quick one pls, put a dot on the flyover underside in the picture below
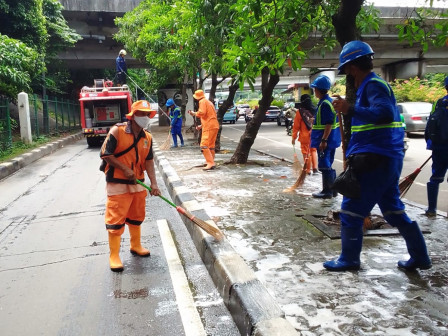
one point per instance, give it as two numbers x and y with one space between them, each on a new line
94 21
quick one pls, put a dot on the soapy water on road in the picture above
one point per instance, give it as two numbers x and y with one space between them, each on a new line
286 252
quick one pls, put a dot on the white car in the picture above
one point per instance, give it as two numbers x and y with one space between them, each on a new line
415 115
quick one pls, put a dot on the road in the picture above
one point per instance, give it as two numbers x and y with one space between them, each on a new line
55 276
273 139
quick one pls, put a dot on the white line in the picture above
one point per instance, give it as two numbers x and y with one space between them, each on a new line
188 313
262 137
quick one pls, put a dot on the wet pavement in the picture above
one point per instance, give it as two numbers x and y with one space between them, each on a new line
267 227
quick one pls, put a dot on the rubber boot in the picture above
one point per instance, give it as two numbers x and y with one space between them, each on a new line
174 140
326 191
114 257
333 177
209 158
349 260
416 248
136 246
433 192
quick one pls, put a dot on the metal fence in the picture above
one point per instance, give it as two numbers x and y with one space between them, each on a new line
52 116
47 117
5 126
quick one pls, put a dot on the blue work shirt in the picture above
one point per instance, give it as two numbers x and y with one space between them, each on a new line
121 64
176 117
325 115
376 123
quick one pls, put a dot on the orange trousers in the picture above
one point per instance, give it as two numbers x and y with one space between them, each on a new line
128 208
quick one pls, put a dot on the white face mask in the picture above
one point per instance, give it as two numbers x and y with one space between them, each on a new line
143 122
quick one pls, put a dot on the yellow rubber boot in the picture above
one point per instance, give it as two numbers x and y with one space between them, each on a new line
136 245
209 158
114 257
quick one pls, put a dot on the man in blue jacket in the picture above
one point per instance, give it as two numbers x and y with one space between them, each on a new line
439 160
121 68
325 135
176 122
375 151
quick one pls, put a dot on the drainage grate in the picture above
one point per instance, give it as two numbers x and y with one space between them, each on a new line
330 225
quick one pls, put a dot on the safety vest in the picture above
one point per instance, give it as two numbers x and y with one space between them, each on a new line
175 116
135 158
334 138
318 125
386 138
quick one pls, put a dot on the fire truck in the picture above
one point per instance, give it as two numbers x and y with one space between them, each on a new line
102 106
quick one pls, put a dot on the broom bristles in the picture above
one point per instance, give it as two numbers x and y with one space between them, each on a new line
296 165
210 229
301 179
406 183
167 143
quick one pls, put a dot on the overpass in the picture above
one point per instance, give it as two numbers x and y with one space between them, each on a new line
94 21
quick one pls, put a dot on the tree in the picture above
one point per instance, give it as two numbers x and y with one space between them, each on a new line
42 32
267 36
18 61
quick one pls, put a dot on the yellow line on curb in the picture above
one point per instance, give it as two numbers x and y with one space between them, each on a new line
187 308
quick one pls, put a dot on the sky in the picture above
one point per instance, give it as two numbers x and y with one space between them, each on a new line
408 3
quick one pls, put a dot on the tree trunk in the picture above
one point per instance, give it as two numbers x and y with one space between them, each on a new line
184 96
344 22
247 139
228 103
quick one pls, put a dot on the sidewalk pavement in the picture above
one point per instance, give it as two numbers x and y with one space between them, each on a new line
268 269
274 248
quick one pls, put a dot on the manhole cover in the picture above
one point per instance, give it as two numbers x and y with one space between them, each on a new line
330 225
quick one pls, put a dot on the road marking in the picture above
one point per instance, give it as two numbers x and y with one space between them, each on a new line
187 308
262 137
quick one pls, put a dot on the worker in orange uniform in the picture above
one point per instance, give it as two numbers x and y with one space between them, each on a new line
128 153
303 123
210 126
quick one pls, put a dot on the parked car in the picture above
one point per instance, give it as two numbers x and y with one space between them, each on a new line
415 115
272 113
231 115
243 109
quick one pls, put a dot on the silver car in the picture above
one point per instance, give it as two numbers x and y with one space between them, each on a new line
415 115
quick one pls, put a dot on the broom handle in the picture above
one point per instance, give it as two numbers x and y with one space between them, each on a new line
165 199
341 129
424 163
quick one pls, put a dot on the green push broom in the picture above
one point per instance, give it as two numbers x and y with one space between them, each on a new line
210 229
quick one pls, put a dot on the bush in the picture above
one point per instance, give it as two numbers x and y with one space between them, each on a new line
416 89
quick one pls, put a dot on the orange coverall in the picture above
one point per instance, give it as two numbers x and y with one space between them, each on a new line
210 127
299 126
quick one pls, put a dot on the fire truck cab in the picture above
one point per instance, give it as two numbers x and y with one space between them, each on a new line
102 106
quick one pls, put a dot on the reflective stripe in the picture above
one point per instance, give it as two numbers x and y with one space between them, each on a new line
396 212
349 213
383 82
114 227
133 222
318 125
369 127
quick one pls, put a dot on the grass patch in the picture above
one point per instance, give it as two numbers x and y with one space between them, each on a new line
18 147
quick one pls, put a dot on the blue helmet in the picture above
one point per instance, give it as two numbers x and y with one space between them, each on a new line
321 82
351 51
169 102
446 81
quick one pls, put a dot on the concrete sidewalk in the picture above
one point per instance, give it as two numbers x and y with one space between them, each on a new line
271 236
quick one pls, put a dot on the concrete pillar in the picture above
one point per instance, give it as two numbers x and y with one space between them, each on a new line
24 118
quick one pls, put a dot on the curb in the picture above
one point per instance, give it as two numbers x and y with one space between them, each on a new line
253 309
10 167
